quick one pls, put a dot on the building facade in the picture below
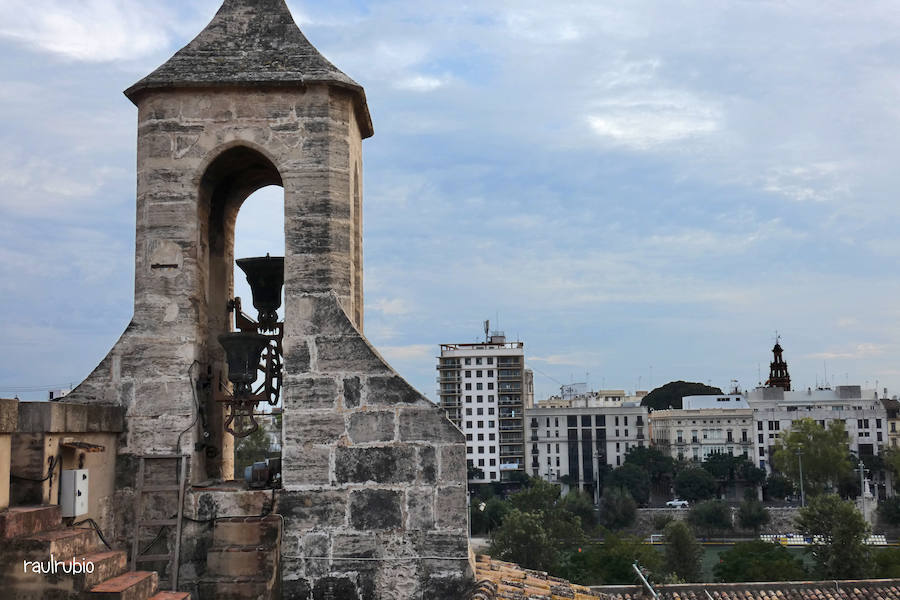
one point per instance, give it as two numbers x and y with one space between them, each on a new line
862 413
482 387
571 444
705 425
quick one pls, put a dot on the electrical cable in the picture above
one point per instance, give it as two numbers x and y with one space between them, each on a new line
196 407
54 461
96 528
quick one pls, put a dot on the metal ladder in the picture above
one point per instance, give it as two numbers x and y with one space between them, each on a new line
142 488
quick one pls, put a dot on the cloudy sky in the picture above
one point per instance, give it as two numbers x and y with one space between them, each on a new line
640 191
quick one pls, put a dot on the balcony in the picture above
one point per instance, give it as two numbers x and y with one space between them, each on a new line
449 378
510 427
509 361
695 440
448 365
508 386
510 401
534 437
451 403
509 374
511 437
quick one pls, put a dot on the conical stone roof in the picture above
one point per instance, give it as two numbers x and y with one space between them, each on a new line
250 43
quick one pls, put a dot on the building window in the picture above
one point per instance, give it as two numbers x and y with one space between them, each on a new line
468 398
490 360
490 423
479 386
490 385
480 437
480 424
490 372
493 462
478 361
759 426
548 422
468 361
491 437
468 449
480 462
478 373
479 398
468 437
468 412
468 373
468 424
490 410
468 387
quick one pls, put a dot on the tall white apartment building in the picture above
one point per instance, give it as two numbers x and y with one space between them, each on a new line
482 386
705 425
572 442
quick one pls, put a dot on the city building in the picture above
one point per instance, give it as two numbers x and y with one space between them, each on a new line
576 394
776 406
892 408
862 413
482 387
705 425
568 444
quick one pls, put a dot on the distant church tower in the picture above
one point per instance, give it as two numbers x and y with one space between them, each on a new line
778 369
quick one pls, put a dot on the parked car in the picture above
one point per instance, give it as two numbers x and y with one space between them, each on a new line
676 503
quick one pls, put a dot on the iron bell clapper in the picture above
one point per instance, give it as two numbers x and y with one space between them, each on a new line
265 274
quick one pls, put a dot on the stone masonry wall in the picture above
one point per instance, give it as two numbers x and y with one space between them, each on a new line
374 497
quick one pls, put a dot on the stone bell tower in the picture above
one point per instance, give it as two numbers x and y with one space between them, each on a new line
374 475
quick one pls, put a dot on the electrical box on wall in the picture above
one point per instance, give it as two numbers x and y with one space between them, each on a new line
73 492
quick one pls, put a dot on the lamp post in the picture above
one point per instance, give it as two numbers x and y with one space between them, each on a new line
862 486
800 465
597 477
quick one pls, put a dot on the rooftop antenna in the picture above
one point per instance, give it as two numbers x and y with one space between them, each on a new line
487 328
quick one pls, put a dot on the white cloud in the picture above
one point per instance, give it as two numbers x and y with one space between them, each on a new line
391 306
863 350
87 30
408 353
419 83
644 122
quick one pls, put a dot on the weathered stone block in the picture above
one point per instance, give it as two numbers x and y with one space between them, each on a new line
295 589
392 389
420 508
453 463
315 547
352 391
451 545
315 508
427 464
427 424
310 393
332 588
312 427
305 465
371 426
451 506
376 509
317 314
349 353
388 464
296 355
9 415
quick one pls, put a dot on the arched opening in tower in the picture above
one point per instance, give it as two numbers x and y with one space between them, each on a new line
234 310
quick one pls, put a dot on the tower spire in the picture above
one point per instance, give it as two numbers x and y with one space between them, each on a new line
778 369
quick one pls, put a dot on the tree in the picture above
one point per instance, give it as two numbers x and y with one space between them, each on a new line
778 486
710 516
542 499
825 454
758 561
633 478
752 514
485 521
251 449
473 472
610 563
889 510
522 539
683 552
658 466
838 533
695 484
887 563
581 505
670 394
617 508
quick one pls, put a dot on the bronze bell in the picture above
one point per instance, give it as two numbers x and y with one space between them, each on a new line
265 274
242 351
